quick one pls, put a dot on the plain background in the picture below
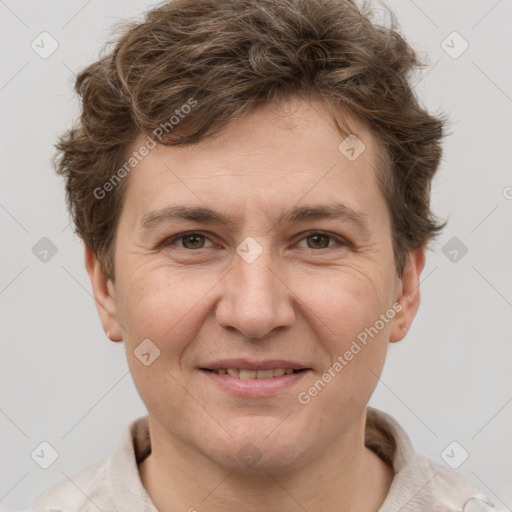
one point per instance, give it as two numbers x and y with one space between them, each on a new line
450 380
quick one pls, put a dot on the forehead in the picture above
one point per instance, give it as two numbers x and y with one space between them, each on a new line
276 158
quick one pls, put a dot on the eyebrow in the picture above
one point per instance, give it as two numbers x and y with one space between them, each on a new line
203 214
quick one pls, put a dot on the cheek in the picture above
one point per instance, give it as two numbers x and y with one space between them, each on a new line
343 302
352 317
348 313
143 306
164 305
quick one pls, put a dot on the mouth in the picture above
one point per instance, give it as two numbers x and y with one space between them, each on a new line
254 379
242 373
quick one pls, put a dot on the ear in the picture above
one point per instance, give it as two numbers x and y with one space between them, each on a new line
408 295
104 296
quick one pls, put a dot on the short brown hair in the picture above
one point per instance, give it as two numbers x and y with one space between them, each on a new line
232 56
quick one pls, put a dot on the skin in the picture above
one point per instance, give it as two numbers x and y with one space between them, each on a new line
303 299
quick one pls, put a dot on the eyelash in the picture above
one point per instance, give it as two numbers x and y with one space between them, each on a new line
171 240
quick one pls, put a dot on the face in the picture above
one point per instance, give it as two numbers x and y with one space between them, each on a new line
227 259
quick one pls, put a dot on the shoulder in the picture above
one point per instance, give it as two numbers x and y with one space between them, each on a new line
448 491
76 493
110 484
420 484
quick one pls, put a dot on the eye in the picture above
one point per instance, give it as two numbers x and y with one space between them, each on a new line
319 240
192 240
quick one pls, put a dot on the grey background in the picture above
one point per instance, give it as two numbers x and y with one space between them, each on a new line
63 382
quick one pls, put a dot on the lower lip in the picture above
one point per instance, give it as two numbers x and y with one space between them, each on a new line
255 387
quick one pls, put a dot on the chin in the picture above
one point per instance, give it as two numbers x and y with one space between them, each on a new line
261 448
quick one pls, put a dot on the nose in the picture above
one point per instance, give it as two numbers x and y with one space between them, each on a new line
255 298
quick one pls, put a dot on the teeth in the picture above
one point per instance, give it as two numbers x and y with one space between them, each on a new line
265 374
254 374
247 374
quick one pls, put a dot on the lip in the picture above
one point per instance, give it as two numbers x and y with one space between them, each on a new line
246 364
252 388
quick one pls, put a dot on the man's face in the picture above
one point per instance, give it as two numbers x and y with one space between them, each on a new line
261 291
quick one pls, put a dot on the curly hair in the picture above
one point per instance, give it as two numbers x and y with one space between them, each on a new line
226 58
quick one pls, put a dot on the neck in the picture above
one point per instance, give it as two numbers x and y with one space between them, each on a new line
347 477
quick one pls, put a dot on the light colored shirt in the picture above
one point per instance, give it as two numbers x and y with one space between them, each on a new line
114 484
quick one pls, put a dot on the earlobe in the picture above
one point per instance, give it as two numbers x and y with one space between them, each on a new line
104 296
409 295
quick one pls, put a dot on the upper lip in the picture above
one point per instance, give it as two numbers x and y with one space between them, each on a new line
246 364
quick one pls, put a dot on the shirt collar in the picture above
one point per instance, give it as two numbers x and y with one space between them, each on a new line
132 447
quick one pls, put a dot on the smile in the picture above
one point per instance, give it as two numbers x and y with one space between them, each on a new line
252 383
240 373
